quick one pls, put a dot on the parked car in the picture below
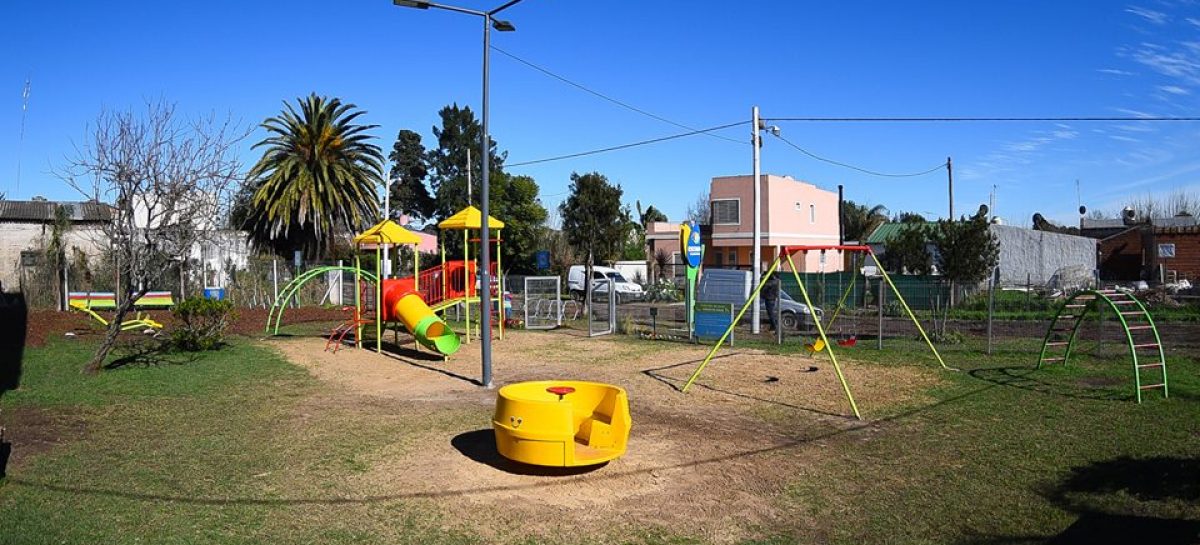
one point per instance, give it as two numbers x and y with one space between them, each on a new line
733 286
626 290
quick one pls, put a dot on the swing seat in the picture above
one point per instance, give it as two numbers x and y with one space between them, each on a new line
848 343
815 347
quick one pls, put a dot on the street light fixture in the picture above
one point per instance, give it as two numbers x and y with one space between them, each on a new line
485 254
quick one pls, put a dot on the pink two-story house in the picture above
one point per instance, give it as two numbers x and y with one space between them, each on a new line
793 213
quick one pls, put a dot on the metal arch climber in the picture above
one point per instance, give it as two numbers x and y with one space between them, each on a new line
1134 318
276 313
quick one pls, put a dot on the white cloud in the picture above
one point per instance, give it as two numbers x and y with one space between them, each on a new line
1156 17
1194 21
1134 113
1174 90
1120 137
1114 72
1182 63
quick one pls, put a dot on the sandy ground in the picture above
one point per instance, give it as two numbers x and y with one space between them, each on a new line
711 463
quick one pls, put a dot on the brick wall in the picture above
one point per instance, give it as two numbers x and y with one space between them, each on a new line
1186 262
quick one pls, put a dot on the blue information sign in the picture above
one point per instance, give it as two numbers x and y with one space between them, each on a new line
713 319
543 259
692 249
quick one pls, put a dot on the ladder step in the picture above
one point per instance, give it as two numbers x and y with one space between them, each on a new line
1053 359
1149 365
1075 306
1147 345
1057 343
1124 302
1149 386
1135 327
1133 313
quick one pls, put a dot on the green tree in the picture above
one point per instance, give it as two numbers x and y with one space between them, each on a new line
859 221
407 189
515 201
908 250
317 177
909 217
458 137
593 220
967 249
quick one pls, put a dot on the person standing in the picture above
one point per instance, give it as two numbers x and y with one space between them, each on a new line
770 295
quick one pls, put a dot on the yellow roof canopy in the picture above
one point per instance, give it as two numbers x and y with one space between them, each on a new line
469 218
386 233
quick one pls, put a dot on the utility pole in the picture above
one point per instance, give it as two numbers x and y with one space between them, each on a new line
950 182
756 259
387 216
468 176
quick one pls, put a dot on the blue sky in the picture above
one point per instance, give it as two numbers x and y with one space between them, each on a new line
698 63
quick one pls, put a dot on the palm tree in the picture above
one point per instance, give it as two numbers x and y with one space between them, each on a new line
317 177
859 221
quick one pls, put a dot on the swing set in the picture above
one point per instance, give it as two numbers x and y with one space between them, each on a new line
822 342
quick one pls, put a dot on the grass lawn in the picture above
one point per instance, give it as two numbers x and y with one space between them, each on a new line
241 446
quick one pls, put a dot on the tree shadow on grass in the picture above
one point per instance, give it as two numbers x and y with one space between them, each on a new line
1025 378
1096 491
14 314
480 446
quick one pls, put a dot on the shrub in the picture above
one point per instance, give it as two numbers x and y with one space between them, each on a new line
662 291
200 324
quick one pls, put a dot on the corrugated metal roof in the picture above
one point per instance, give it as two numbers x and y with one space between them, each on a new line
43 211
889 230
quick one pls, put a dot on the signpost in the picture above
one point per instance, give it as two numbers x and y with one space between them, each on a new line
713 320
693 253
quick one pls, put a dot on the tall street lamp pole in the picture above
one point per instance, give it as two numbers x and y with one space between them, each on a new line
485 254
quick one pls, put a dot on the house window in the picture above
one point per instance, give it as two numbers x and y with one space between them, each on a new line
1166 250
733 257
812 213
727 212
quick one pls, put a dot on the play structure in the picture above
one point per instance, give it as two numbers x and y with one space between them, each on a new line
412 302
1140 334
822 343
89 302
561 423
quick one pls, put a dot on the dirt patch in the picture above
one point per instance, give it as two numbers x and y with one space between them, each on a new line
33 430
710 463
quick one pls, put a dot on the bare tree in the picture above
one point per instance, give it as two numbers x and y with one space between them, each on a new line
700 211
1150 206
168 180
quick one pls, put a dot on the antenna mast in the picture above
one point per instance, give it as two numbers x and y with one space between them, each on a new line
21 139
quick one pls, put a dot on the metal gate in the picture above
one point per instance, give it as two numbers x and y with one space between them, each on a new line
543 302
602 309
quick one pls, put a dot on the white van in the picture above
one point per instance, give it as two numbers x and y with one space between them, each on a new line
626 290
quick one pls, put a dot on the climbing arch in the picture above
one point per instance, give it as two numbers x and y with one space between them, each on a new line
1145 346
275 316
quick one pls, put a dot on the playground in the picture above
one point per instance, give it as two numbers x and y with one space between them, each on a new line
367 422
359 446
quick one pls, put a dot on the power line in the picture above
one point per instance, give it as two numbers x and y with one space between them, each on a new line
627 146
979 119
860 169
603 96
